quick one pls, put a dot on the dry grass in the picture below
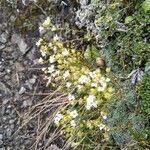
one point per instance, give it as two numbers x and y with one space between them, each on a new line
44 112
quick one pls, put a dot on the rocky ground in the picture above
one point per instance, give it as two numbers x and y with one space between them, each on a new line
21 86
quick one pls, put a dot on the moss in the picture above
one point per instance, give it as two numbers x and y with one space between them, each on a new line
143 90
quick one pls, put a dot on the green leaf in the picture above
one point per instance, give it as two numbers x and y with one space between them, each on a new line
147 68
88 53
128 19
146 5
91 53
95 52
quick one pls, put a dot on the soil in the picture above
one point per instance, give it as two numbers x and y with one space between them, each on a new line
21 86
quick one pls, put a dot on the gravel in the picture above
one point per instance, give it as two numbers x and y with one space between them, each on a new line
17 84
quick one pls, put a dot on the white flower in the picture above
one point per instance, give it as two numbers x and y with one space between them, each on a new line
43 69
103 78
107 80
103 85
100 88
55 49
56 38
65 52
104 117
101 126
73 114
53 28
47 22
79 87
92 74
50 44
43 53
72 123
84 79
66 74
71 97
38 43
68 84
103 114
51 69
57 118
41 29
40 60
52 59
94 85
56 73
91 102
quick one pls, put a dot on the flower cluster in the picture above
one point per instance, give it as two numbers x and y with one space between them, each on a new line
89 90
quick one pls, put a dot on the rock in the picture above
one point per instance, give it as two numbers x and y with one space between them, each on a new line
11 121
27 103
23 46
84 2
8 70
19 66
1 136
3 148
8 132
1 142
2 68
5 101
3 38
4 90
31 54
22 90
2 46
32 81
53 147
17 39
8 49
12 18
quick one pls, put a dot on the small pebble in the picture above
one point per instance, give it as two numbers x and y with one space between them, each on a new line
1 142
2 46
22 90
3 38
11 121
1 136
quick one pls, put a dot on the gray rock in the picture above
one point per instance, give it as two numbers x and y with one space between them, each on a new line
17 39
8 70
32 81
4 89
8 132
31 54
1 142
2 46
11 121
27 103
5 101
2 68
53 147
3 148
3 38
12 126
22 90
1 136
84 2
19 66
23 46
